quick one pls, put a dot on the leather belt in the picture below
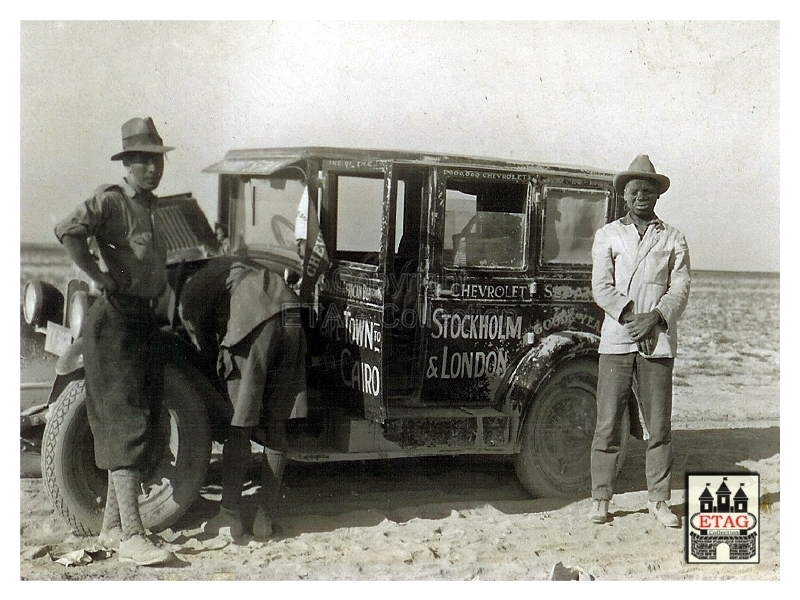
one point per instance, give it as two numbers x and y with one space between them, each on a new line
129 302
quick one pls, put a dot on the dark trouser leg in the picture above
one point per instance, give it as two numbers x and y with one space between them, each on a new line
271 478
654 377
123 385
235 463
126 485
613 389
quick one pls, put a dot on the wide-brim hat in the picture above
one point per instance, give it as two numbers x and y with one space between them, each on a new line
641 168
140 135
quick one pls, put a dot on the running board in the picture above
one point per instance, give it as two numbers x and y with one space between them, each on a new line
410 432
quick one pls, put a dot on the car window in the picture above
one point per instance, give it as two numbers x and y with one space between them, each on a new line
571 218
358 217
263 213
485 224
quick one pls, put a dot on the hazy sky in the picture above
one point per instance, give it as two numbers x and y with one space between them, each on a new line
701 98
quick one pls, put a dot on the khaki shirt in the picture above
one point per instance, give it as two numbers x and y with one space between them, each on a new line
122 222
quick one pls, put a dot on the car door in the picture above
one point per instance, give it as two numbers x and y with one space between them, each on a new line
353 221
478 282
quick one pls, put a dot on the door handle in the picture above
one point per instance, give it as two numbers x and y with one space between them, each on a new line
441 292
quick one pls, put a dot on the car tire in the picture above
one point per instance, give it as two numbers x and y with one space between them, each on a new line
181 457
556 438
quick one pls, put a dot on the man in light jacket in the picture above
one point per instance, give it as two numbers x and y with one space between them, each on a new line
640 278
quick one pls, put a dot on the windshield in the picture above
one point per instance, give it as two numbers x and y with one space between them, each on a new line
263 213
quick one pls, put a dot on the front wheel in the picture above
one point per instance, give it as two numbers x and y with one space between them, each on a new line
556 440
182 453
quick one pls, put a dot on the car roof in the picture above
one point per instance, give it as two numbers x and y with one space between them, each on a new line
265 161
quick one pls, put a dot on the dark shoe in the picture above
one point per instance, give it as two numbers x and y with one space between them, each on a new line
140 550
663 514
227 524
599 512
110 538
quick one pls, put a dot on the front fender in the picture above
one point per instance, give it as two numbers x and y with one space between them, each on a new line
539 363
68 367
71 360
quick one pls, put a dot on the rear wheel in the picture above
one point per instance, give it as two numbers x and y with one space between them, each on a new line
556 440
182 453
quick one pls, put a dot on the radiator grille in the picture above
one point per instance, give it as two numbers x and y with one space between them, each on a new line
180 221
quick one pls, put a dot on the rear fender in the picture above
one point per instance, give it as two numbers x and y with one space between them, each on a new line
539 364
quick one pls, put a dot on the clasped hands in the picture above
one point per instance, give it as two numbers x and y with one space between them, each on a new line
640 325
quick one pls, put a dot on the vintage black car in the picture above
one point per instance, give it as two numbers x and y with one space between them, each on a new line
448 308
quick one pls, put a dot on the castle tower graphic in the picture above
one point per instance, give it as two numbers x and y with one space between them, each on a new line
723 497
740 500
723 504
706 501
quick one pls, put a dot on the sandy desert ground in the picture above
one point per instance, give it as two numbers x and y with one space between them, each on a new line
464 519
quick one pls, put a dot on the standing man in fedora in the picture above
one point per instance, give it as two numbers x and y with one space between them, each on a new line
123 376
640 278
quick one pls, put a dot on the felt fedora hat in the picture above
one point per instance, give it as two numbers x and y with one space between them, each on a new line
641 168
140 135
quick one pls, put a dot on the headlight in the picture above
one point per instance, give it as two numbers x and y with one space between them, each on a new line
78 307
32 302
41 302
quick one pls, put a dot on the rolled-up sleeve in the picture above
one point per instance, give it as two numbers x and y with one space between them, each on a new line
85 220
604 291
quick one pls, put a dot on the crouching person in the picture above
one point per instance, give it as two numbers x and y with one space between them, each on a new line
243 316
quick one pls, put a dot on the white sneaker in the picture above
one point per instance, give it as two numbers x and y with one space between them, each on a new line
141 551
110 538
599 511
662 513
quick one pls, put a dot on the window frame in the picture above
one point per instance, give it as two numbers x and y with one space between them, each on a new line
546 266
513 178
333 171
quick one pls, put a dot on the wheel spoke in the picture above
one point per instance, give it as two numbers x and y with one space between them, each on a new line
558 432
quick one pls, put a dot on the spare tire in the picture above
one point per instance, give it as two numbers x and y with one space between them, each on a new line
183 451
